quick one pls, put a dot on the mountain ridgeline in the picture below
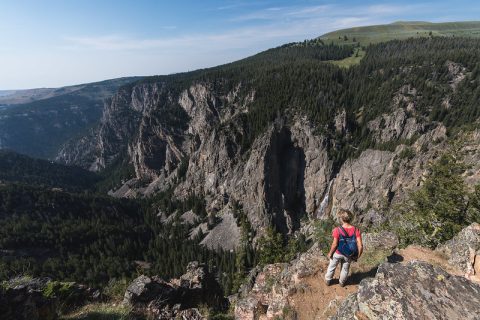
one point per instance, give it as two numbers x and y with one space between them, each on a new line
272 132
38 122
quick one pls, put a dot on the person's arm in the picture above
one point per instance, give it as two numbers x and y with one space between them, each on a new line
333 247
359 245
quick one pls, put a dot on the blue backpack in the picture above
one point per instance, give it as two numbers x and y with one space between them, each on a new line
348 245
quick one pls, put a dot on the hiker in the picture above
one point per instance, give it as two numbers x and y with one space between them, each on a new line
346 247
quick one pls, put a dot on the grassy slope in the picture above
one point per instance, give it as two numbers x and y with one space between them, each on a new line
403 30
350 61
397 30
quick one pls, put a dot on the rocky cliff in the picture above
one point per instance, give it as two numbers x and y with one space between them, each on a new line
190 133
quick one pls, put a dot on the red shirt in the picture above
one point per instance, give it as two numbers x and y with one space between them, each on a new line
349 230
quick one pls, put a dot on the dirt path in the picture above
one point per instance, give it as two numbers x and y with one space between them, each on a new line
319 301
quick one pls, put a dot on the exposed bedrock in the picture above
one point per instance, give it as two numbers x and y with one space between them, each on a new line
191 139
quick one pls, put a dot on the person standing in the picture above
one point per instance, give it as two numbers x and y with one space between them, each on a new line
346 247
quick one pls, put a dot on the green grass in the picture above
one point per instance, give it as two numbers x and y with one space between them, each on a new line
402 30
101 311
354 59
373 258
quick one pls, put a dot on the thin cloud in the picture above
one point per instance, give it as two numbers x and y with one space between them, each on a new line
388 9
309 11
326 11
238 5
284 24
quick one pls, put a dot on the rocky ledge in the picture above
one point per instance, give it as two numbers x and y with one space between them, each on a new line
178 298
269 295
416 290
463 251
25 298
270 290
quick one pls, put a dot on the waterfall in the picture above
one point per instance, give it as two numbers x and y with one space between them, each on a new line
326 199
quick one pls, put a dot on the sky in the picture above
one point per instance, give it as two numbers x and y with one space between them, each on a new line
53 43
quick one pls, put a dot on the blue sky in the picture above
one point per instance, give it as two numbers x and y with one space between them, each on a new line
52 43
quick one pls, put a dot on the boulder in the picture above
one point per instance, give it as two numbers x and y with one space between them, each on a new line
416 290
145 289
383 240
23 299
178 297
463 250
26 298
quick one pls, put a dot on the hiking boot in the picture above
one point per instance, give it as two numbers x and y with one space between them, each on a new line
328 282
342 284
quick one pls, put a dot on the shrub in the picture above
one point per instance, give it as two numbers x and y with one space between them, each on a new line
57 289
323 234
440 208
270 247
407 153
116 288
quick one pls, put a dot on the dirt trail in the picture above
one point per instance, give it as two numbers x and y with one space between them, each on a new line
319 301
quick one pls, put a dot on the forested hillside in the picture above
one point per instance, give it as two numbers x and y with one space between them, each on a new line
93 239
21 169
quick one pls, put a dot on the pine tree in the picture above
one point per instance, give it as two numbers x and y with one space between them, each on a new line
438 210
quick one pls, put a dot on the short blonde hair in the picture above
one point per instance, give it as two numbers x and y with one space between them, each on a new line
345 215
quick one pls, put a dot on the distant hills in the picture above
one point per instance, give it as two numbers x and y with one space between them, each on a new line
402 30
39 121
11 97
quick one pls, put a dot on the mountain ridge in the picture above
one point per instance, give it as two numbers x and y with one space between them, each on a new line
402 30
39 128
272 134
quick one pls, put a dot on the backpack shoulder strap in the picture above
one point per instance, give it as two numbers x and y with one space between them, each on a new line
345 234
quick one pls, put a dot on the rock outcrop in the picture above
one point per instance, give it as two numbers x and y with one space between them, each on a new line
375 180
273 286
463 251
386 241
25 298
177 297
416 290
226 234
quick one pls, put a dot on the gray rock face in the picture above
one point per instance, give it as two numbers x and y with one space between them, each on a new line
456 72
416 290
472 158
286 172
380 241
284 176
396 125
225 235
377 179
463 251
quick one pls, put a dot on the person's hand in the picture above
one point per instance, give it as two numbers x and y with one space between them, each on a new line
330 256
